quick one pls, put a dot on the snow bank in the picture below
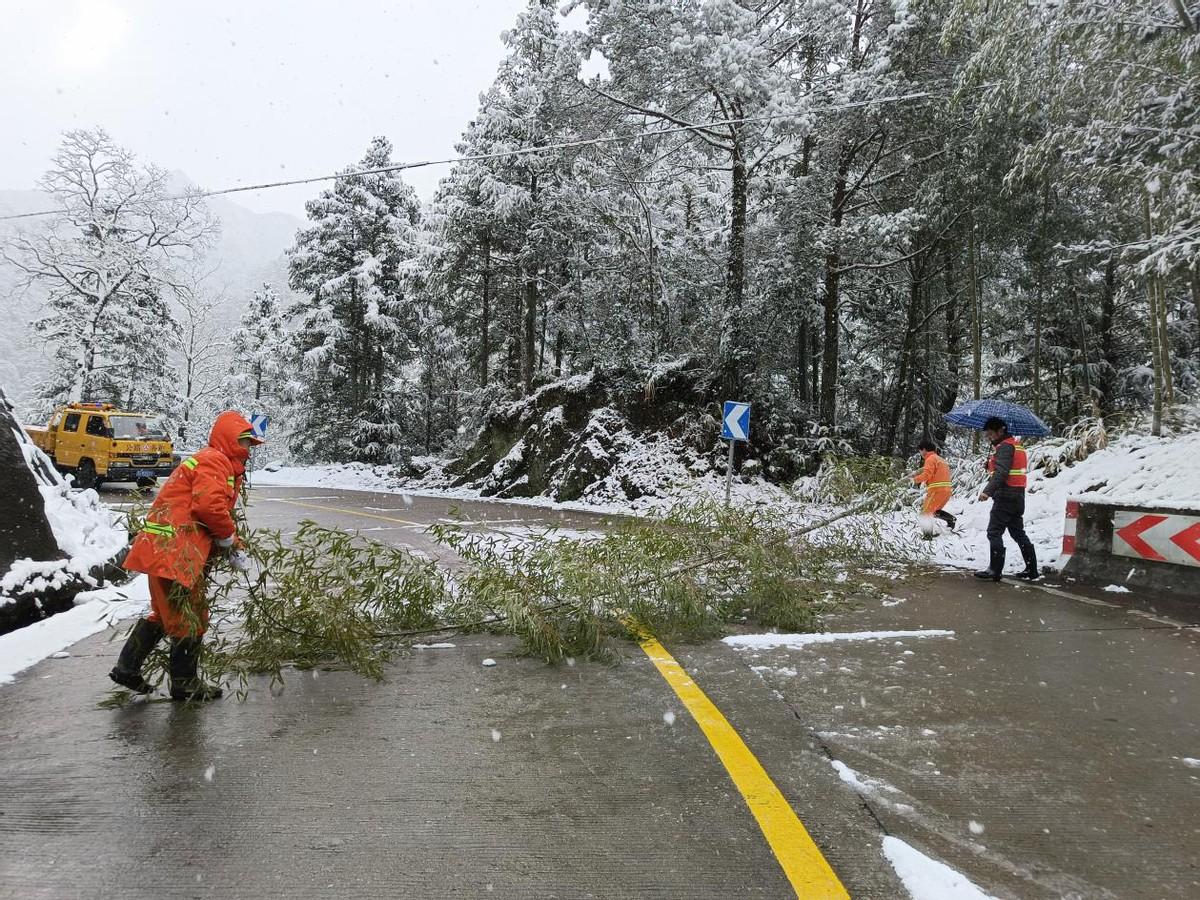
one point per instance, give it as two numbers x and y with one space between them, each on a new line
87 531
925 878
795 641
94 612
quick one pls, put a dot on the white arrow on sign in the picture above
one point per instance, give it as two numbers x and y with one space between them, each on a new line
734 426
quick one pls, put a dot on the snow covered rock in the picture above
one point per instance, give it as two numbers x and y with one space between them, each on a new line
589 434
54 542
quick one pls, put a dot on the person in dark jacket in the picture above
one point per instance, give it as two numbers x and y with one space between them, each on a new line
1006 489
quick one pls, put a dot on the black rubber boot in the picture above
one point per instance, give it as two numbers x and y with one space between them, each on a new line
185 683
1031 572
995 569
947 518
128 670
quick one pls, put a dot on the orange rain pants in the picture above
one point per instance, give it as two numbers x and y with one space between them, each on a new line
167 601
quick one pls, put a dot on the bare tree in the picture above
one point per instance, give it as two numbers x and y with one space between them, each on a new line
119 239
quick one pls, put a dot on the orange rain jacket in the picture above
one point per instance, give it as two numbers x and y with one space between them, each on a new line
194 507
938 487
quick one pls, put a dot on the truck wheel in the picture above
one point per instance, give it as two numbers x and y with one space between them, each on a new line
85 475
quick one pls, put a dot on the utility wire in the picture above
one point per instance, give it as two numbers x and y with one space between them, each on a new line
527 151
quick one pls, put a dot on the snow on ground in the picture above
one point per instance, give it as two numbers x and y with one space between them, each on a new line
673 486
795 641
925 878
94 612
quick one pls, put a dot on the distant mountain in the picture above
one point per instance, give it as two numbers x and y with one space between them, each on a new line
249 251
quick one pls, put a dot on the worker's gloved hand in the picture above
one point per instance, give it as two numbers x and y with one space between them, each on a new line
226 543
240 560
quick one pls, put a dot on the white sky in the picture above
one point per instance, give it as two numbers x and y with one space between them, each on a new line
246 91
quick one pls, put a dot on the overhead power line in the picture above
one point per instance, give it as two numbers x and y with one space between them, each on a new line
529 151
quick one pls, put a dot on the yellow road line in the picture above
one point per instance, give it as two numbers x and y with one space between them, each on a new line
348 512
805 867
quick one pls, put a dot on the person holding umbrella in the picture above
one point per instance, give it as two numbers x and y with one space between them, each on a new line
1008 475
1006 489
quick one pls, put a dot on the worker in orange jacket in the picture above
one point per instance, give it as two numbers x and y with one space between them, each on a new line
935 475
190 521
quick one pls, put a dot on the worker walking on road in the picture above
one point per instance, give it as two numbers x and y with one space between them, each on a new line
935 475
1006 489
190 521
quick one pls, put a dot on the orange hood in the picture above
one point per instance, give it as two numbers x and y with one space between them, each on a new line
224 437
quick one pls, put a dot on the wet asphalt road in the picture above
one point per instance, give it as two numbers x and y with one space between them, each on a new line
1042 750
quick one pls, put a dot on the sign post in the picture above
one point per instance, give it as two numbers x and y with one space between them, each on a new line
258 425
735 426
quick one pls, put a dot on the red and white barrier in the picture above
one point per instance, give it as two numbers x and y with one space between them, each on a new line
1069 524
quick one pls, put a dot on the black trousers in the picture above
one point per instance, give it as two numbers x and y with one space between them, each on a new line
1008 514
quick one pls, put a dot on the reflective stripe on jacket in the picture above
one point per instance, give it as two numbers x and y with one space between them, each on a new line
1008 465
935 474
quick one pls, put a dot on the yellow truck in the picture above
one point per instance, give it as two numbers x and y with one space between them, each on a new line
97 442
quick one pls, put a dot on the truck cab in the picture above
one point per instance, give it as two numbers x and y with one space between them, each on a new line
97 442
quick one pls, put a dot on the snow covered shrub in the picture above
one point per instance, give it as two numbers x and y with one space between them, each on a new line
841 479
1079 442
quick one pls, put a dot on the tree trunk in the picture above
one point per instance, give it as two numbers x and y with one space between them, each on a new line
1039 296
815 355
485 317
829 299
1108 309
1164 342
529 337
1195 279
976 324
735 279
927 367
1155 355
953 349
355 348
1090 405
802 347
900 396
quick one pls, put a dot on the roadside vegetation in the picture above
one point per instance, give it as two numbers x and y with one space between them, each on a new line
328 598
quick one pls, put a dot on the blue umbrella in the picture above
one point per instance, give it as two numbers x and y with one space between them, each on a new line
1020 421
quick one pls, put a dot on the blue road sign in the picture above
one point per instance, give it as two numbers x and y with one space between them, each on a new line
736 424
258 424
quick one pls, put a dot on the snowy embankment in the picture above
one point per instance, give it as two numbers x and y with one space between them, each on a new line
94 612
88 533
